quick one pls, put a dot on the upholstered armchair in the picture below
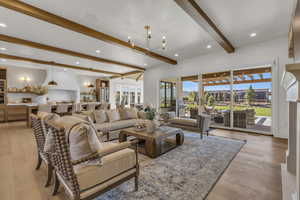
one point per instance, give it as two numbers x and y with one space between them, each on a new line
40 138
82 181
204 122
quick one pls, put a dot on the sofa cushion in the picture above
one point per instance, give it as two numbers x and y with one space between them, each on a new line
116 125
113 115
90 114
112 165
184 122
131 113
142 115
122 113
100 116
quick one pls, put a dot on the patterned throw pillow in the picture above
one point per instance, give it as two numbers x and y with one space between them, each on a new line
100 116
113 115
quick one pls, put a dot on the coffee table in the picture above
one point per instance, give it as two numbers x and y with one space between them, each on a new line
157 143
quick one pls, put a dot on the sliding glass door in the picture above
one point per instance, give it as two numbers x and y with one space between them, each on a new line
216 97
252 92
239 99
168 95
188 108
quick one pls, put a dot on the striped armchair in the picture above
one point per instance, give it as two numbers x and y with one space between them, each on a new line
40 138
119 163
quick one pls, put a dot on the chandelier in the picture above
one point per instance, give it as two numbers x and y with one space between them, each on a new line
148 38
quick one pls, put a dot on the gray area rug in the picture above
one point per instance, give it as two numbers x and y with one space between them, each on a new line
188 172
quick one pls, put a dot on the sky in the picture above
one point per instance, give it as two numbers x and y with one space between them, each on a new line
189 86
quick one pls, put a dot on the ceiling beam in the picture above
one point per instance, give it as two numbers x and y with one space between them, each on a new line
51 63
68 24
125 74
240 82
139 76
196 12
41 46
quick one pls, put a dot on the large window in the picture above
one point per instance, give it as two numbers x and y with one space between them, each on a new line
132 97
239 99
188 108
167 95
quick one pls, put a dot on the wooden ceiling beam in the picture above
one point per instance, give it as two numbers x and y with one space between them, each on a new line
38 13
240 82
51 63
41 46
139 76
195 11
125 74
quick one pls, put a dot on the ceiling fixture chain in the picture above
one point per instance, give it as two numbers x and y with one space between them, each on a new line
148 38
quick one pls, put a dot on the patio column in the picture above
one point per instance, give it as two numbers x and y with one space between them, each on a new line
200 93
179 96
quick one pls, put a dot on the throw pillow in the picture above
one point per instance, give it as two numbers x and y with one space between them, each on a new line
142 115
113 115
82 136
122 113
100 116
131 113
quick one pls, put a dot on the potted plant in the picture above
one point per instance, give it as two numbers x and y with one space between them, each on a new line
150 115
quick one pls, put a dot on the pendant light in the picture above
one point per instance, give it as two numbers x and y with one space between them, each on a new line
52 83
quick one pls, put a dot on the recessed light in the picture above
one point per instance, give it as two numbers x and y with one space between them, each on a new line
176 55
253 34
98 51
3 25
3 60
208 46
145 64
77 63
2 48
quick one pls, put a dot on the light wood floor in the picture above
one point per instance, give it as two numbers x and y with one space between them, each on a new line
253 175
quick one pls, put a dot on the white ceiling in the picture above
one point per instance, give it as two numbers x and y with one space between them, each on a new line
121 18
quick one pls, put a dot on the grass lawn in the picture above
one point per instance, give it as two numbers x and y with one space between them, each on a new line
260 111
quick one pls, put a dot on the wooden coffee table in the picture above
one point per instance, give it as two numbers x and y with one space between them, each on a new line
155 144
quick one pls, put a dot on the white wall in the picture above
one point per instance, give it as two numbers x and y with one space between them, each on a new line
270 52
14 74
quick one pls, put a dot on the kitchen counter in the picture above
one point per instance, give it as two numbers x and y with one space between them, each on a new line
33 109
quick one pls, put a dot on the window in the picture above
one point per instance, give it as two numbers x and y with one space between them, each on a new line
125 98
132 97
167 94
118 97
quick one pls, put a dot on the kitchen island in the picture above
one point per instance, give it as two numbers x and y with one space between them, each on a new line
22 111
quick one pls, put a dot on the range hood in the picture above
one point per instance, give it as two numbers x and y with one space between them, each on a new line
66 80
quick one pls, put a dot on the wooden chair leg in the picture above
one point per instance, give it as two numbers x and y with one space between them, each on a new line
136 183
50 170
56 185
39 162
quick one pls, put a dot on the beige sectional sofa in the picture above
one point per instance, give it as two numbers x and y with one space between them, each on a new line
109 122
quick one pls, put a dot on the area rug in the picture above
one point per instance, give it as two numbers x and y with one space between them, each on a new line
188 172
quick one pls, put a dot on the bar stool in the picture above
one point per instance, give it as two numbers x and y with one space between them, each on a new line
91 107
76 108
45 108
62 109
